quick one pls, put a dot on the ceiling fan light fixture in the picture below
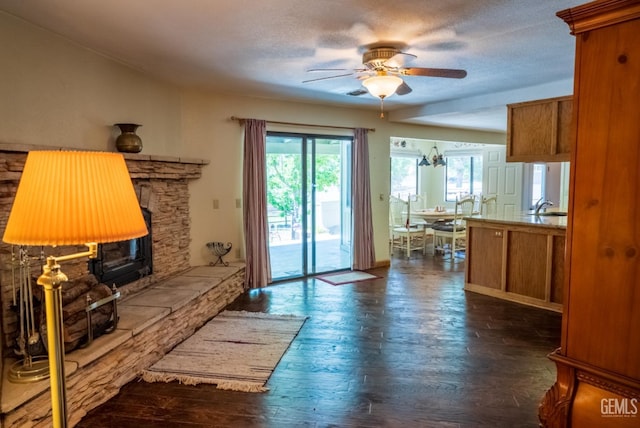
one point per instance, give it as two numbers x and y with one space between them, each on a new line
382 86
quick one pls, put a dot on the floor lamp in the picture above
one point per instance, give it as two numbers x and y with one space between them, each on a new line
70 198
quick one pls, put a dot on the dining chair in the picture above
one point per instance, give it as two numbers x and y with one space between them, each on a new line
419 201
404 235
489 205
452 234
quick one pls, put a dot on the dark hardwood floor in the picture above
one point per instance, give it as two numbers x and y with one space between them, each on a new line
412 349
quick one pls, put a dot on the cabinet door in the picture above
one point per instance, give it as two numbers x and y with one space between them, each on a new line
526 264
484 256
540 130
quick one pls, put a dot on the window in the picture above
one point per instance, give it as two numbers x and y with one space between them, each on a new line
538 185
535 184
463 175
404 176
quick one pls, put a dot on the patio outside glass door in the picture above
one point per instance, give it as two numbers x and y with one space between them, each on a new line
309 210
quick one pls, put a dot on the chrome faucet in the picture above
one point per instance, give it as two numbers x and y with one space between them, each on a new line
541 204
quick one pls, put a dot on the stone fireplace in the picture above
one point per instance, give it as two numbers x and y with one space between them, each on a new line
164 303
161 184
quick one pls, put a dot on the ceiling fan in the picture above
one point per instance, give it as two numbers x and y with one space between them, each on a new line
382 71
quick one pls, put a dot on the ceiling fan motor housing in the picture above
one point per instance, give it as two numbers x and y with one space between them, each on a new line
374 59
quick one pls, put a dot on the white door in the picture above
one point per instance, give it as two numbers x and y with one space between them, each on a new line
502 178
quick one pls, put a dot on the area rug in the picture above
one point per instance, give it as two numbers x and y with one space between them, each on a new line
235 350
346 277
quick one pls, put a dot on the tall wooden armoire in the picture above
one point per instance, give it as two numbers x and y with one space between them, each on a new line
598 364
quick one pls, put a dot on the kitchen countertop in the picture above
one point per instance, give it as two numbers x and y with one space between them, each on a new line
525 219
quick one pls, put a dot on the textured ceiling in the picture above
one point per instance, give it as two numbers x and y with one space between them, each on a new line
512 50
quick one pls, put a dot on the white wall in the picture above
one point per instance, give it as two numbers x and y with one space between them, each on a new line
56 93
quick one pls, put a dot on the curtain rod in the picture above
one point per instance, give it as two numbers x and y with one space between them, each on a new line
241 119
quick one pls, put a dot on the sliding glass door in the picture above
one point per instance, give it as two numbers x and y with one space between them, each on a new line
308 195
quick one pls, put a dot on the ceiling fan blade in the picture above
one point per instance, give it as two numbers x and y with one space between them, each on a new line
399 60
328 77
434 72
357 92
327 69
403 89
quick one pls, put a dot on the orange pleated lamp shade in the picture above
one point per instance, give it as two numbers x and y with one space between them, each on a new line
74 198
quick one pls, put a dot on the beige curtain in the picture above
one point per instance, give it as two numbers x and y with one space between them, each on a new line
254 204
363 247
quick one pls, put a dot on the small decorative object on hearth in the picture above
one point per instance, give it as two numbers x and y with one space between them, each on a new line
128 141
219 249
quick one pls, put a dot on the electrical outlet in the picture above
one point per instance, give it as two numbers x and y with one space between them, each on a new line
216 204
238 203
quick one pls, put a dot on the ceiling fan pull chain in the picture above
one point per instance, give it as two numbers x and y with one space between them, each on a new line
381 107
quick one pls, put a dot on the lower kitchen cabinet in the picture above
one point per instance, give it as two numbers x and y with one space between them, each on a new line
522 262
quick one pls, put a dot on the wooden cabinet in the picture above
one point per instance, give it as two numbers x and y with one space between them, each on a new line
539 131
598 363
516 261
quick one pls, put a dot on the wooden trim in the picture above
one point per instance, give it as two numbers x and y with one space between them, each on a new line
555 408
306 125
382 263
548 229
548 269
598 372
598 14
513 297
505 255
561 157
541 101
554 130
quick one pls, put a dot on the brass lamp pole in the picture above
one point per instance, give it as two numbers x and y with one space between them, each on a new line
70 198
51 279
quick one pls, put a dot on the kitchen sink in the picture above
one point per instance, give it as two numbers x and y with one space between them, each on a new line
551 214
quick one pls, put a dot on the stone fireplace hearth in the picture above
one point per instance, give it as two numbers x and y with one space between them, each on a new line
152 322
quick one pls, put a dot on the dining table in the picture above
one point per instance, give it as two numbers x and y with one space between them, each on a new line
431 215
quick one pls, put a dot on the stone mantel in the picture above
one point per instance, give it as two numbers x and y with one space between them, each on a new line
132 159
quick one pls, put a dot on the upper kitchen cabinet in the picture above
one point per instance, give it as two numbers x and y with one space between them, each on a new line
540 130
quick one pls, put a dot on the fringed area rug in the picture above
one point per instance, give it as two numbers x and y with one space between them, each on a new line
346 277
236 351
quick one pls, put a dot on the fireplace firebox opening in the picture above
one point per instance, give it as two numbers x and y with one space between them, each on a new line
123 262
